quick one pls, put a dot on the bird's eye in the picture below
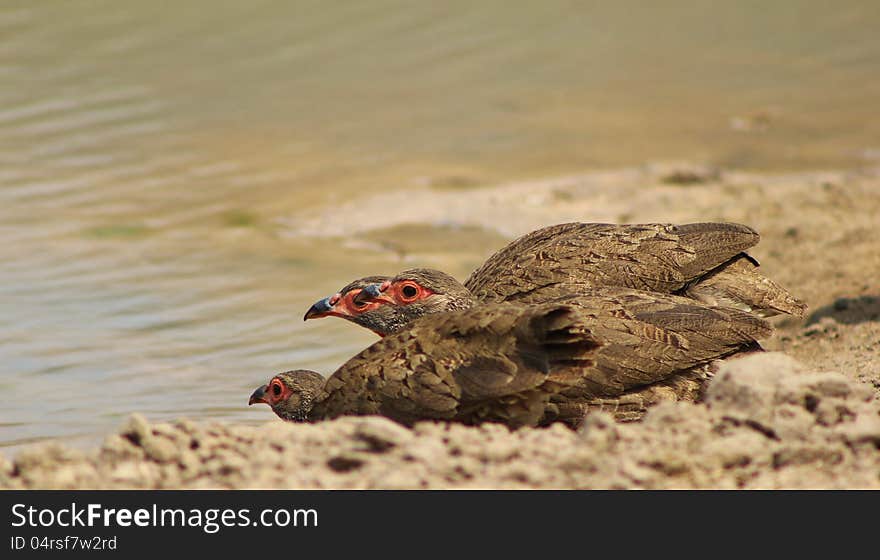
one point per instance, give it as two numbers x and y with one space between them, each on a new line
358 303
409 291
276 388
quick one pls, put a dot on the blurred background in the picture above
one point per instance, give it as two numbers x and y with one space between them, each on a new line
180 181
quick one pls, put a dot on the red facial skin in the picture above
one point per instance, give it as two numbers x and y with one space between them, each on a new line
345 306
351 307
274 391
402 292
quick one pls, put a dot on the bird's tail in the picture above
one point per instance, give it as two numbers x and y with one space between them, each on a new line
558 340
738 284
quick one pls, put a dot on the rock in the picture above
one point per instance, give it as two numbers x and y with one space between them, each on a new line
746 388
767 422
136 428
381 434
684 173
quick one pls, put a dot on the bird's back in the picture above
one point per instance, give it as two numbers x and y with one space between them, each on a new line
649 338
507 362
492 362
577 256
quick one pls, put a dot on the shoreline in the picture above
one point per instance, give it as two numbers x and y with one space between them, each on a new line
818 240
767 422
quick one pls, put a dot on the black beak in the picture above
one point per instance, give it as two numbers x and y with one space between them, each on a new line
318 310
259 396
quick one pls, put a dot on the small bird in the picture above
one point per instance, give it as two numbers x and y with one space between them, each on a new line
494 363
618 349
703 261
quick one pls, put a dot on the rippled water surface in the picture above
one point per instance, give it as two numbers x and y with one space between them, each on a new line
156 158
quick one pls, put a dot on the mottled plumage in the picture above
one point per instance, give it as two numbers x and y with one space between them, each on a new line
533 364
656 348
574 258
703 261
664 300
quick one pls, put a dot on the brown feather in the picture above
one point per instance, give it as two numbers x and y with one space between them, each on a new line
575 258
525 365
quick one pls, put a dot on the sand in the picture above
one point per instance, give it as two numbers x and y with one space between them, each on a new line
767 422
805 414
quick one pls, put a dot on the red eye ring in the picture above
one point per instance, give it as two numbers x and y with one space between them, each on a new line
351 299
410 291
276 387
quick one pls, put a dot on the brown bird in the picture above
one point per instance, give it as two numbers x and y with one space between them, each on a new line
343 304
703 261
525 364
496 363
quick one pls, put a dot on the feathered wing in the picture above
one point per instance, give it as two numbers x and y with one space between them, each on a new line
491 363
522 365
656 346
739 284
654 257
631 405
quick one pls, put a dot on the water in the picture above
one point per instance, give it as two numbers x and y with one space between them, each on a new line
157 161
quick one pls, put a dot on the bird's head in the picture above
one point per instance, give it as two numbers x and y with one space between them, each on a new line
290 394
345 305
412 294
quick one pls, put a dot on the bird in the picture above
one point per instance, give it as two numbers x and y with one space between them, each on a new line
525 364
343 303
706 262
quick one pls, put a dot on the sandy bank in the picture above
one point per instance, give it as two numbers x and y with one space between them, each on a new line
768 422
